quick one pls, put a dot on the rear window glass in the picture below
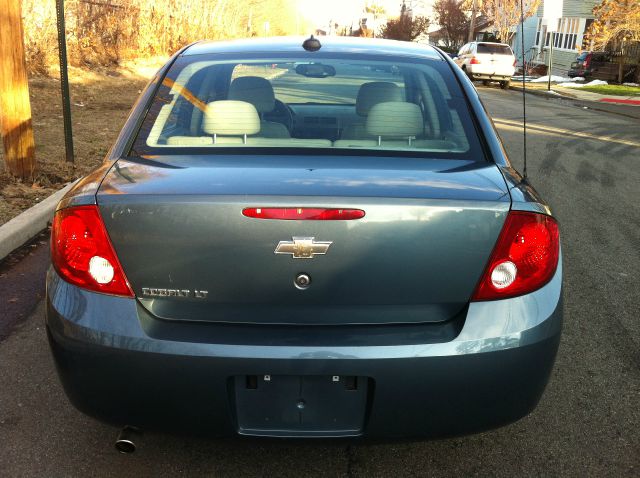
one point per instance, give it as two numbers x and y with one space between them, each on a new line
206 103
494 48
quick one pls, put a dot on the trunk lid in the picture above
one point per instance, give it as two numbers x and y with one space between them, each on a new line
177 226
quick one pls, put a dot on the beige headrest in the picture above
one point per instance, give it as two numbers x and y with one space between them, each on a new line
254 90
231 118
395 118
375 92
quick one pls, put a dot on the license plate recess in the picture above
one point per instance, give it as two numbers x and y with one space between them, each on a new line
308 405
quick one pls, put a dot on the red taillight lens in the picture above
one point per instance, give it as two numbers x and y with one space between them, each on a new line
303 213
524 258
474 61
82 253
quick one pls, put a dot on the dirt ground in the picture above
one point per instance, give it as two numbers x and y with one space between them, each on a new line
100 103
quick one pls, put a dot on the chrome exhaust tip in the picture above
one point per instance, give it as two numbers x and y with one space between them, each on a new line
124 442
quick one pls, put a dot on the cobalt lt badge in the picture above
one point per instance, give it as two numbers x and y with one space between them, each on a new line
303 247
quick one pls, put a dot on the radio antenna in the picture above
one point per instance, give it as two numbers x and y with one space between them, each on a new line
524 95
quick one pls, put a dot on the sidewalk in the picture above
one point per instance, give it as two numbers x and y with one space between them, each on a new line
590 96
623 105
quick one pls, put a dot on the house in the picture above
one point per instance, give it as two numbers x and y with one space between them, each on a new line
482 31
530 29
577 16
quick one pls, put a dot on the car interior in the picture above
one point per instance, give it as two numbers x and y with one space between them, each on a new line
317 105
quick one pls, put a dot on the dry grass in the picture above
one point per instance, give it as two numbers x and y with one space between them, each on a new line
100 104
106 32
103 36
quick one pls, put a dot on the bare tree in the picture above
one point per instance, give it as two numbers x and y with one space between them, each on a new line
505 14
616 25
615 21
452 20
405 28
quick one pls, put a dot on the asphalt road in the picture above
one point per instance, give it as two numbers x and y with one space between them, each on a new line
587 164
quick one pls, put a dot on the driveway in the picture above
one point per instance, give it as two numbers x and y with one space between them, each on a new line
587 165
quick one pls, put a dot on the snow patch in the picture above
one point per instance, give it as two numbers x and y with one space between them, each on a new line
580 85
630 84
554 78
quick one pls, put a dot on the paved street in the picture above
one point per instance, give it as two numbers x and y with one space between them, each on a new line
587 165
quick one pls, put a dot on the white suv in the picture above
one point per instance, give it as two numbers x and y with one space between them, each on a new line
487 61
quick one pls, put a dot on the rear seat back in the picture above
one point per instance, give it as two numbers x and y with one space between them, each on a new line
392 123
226 141
395 124
230 122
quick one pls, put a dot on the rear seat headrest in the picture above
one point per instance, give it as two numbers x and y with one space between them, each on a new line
395 118
254 90
370 94
231 118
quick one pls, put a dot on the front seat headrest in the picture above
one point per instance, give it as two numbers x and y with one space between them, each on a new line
372 93
254 90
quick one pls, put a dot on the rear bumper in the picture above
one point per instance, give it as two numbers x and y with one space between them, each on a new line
487 76
482 72
492 373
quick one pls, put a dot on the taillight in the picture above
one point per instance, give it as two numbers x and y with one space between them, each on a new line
303 213
524 258
82 254
474 61
515 63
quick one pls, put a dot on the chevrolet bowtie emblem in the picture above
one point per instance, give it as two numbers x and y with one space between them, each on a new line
303 247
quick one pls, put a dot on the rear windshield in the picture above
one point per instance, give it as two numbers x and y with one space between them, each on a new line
494 49
208 103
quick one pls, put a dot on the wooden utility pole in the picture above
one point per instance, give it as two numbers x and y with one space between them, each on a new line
472 23
15 109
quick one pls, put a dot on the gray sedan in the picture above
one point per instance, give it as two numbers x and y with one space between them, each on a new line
306 239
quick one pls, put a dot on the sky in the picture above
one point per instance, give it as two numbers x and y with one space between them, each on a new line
346 11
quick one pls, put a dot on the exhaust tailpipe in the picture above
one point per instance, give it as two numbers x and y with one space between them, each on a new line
125 442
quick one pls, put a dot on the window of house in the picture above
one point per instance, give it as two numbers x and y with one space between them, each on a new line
566 37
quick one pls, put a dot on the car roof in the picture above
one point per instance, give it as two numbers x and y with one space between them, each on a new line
491 43
356 46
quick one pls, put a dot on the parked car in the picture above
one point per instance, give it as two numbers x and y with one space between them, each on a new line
297 256
598 65
487 62
586 62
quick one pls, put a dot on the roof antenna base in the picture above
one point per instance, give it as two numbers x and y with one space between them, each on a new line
311 44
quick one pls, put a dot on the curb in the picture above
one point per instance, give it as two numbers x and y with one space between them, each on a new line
543 93
593 105
24 227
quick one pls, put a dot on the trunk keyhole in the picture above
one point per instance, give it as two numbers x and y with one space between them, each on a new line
302 281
